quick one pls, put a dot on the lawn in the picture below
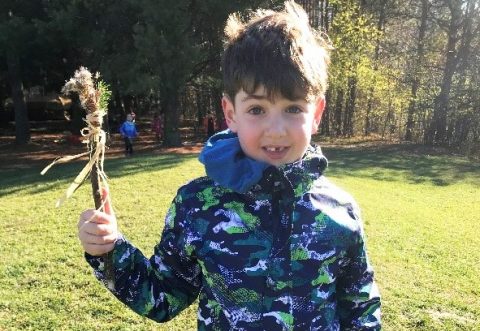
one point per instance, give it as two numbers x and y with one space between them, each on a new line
420 211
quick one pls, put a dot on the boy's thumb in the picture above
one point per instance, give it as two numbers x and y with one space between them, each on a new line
107 204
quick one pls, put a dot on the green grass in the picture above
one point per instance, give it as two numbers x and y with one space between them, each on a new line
421 217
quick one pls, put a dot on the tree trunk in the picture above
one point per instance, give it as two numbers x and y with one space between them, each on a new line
367 128
380 26
22 126
326 16
325 123
127 101
337 126
438 128
172 119
319 12
459 29
416 65
350 107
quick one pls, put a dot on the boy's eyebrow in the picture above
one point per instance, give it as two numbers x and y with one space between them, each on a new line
254 96
263 97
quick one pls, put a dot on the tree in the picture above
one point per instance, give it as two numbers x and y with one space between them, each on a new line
100 36
417 63
353 36
17 36
381 21
460 32
175 48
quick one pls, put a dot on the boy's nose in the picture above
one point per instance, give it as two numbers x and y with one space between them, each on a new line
276 127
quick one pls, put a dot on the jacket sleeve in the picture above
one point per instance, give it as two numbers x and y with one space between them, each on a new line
162 286
358 295
121 130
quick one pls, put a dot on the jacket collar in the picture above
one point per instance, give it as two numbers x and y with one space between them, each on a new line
298 176
227 165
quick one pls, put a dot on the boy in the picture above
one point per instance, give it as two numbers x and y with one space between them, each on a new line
264 241
128 131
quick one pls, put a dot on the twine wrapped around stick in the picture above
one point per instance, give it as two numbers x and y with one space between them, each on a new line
92 99
97 156
93 95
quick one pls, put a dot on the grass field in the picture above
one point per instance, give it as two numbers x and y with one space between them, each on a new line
421 217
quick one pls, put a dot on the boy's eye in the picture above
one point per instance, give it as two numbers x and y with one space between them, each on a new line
255 111
294 110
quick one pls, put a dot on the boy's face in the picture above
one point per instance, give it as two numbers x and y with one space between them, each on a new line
274 131
129 118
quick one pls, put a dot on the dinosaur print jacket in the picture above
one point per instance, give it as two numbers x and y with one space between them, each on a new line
288 254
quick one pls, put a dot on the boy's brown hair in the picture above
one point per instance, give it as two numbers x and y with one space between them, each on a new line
277 50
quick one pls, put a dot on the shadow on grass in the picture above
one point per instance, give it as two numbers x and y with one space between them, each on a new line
407 163
16 180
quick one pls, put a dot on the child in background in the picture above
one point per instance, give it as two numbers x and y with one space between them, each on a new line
128 131
157 126
264 241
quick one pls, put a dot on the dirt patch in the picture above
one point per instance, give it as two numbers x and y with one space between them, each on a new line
45 147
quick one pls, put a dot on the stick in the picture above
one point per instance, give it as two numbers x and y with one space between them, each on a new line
97 198
94 96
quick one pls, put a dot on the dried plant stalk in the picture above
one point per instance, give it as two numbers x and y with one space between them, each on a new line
93 95
94 99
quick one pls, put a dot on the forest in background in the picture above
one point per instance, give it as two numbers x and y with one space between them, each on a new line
407 70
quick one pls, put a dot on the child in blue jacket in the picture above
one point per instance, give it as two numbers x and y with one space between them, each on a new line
128 130
264 241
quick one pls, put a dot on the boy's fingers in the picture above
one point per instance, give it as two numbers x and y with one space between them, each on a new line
92 239
97 229
95 216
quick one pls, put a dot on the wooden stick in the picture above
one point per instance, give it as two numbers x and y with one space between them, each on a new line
93 95
97 198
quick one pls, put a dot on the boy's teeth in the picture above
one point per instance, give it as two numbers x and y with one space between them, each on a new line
274 149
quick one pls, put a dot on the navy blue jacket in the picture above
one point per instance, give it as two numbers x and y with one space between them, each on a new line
288 254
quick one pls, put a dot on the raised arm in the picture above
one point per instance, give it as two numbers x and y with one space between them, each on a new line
158 288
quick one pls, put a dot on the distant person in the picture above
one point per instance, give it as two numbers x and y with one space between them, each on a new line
128 131
157 126
264 241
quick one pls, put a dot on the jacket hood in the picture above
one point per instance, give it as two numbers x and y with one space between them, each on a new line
227 164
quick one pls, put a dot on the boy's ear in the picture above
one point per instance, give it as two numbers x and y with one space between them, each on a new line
317 116
229 113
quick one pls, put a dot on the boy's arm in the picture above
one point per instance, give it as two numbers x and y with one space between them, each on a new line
358 295
162 286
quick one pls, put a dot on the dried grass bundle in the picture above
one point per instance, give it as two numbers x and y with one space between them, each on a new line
93 95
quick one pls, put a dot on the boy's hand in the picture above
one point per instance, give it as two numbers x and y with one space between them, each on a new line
97 230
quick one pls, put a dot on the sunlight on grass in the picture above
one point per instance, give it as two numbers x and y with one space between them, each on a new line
420 213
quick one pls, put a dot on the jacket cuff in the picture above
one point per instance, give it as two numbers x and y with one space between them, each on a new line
97 262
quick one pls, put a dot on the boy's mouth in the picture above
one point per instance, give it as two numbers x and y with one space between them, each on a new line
275 152
274 149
